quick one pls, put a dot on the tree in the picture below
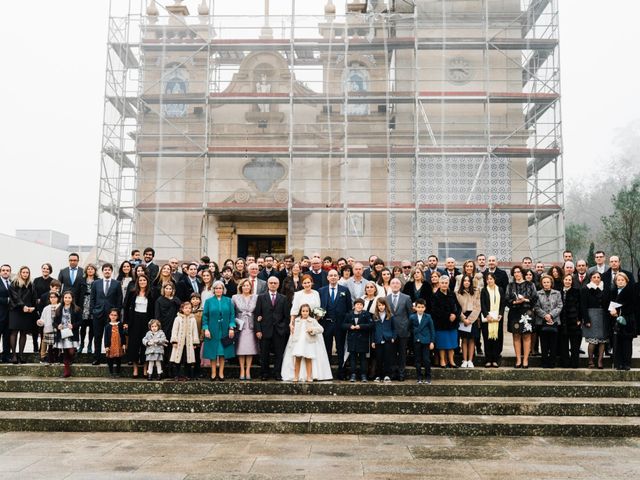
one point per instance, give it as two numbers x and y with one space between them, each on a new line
622 228
591 256
576 237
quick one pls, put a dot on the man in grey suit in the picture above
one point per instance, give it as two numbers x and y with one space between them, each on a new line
72 278
257 286
401 308
106 294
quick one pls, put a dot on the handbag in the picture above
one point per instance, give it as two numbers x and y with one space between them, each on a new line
66 333
549 328
227 341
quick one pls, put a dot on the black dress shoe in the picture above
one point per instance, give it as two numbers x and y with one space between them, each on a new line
279 378
95 362
264 378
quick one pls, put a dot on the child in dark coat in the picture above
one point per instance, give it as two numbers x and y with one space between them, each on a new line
424 335
383 341
358 325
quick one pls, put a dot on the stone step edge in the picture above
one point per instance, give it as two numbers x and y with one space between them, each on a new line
342 383
202 397
323 405
322 423
560 375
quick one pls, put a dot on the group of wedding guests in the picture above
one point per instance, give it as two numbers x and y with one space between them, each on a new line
180 320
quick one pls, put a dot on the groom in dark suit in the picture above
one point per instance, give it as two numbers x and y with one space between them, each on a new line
271 324
106 294
336 300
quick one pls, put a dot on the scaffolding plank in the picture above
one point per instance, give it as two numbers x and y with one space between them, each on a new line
545 210
533 14
125 53
117 212
375 97
118 156
537 59
338 45
540 215
124 105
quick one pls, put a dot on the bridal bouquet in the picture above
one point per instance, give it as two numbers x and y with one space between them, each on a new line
319 312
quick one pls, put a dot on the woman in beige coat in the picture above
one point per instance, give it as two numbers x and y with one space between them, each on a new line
184 338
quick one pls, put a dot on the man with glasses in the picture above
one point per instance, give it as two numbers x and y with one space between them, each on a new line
600 265
406 272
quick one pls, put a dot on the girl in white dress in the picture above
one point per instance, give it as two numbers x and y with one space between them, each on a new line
306 343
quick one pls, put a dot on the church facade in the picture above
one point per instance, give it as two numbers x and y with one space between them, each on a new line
399 132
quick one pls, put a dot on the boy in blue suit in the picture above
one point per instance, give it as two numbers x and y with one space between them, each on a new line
424 334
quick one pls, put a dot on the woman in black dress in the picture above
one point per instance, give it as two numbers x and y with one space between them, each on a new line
90 276
166 309
624 321
594 301
417 287
521 298
138 310
41 287
570 325
42 284
22 317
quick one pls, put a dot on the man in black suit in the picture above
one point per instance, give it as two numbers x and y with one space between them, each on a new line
189 284
268 270
336 300
608 277
432 266
5 282
502 279
106 294
580 277
401 308
271 324
152 269
319 276
367 271
288 261
72 278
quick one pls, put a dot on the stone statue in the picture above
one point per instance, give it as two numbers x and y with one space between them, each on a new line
263 87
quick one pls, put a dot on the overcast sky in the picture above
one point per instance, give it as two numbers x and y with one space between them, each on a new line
52 88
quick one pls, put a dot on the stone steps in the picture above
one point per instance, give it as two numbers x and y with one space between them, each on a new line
445 387
362 424
478 373
477 401
507 361
320 404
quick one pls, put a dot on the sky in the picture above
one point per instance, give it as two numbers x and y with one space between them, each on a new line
52 94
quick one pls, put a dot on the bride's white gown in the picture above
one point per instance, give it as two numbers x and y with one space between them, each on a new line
304 345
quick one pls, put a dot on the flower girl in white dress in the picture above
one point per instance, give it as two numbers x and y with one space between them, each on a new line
306 343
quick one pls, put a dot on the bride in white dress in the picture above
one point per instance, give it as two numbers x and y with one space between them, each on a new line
306 343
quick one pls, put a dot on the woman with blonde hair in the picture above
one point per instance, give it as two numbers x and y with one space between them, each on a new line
247 342
22 317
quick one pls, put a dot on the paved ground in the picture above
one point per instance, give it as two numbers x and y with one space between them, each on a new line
116 456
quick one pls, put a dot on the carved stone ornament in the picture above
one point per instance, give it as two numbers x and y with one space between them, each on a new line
264 172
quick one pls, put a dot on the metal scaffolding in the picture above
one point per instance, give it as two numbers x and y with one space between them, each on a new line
394 129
